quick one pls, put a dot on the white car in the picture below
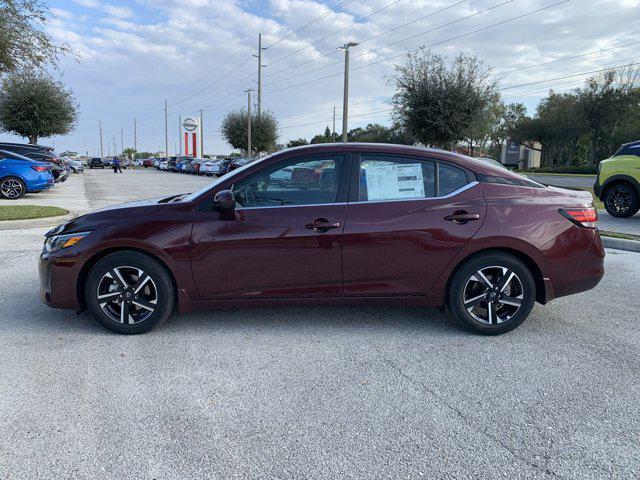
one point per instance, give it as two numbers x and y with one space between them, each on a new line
163 165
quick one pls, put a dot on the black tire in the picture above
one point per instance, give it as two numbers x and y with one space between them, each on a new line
160 286
12 188
462 285
621 200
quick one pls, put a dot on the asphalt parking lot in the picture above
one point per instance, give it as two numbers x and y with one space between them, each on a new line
333 392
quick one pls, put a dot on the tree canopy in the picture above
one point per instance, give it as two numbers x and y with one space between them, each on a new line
36 106
264 131
438 100
24 44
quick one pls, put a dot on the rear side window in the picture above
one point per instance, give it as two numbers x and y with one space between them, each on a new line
629 150
394 178
450 179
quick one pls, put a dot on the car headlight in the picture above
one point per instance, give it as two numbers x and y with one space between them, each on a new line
55 243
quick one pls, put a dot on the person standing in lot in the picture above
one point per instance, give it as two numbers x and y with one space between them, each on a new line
116 165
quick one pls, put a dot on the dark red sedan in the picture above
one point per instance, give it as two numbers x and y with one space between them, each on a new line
390 223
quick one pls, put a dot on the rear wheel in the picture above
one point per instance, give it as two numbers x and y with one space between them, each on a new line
621 200
12 188
129 292
492 293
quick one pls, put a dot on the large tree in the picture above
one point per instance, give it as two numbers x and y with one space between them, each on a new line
437 100
264 131
36 106
24 44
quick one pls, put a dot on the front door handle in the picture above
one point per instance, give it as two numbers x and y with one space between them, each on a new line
462 217
322 225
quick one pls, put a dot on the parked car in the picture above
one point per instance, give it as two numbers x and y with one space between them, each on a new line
618 181
58 169
24 148
75 166
96 162
239 162
107 162
20 175
410 225
148 162
216 167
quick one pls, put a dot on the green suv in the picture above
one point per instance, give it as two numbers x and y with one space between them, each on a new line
618 182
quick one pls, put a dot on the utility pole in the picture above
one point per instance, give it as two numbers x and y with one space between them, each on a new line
259 57
180 134
135 134
201 136
249 121
345 94
121 139
115 150
101 149
333 133
166 131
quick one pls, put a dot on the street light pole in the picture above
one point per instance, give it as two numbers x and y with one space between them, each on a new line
135 134
345 94
101 149
121 139
179 134
333 132
166 131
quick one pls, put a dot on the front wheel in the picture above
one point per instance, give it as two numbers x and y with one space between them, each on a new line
492 293
621 201
129 292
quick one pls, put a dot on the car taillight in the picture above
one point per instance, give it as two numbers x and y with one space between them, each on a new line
583 217
40 168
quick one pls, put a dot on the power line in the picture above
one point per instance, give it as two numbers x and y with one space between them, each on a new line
332 52
311 22
456 37
338 31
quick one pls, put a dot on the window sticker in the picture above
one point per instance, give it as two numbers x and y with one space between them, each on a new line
394 181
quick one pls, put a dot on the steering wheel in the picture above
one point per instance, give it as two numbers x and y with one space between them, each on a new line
251 195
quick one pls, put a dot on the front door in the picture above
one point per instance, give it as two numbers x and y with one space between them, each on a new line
408 218
283 240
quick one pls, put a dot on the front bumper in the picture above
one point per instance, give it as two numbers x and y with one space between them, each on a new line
58 281
597 188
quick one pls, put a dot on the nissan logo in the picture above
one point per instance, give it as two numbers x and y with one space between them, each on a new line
190 124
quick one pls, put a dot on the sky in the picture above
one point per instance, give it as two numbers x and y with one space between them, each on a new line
198 54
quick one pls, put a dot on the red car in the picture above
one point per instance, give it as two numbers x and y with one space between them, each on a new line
396 224
148 162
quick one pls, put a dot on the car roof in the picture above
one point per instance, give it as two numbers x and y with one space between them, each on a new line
637 142
15 155
473 164
25 145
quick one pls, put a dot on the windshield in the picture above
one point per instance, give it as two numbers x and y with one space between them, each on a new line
202 190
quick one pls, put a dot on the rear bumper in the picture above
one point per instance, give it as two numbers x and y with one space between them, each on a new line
576 262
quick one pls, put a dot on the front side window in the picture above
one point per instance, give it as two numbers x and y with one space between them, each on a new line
393 178
308 181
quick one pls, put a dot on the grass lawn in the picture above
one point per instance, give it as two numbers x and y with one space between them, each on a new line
23 212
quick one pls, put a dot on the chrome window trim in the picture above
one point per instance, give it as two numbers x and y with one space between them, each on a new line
449 195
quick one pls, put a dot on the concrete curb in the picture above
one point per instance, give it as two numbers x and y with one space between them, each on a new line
37 222
621 244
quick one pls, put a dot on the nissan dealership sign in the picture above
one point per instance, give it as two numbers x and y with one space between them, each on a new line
190 124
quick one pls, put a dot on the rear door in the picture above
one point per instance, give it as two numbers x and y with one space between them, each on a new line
407 217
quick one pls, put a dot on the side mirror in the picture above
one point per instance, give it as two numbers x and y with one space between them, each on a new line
225 200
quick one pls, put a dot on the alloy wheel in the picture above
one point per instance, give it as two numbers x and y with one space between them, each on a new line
619 199
11 188
127 295
493 295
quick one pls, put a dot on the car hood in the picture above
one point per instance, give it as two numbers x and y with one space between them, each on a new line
120 213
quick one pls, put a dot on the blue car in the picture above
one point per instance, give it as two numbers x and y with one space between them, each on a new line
20 175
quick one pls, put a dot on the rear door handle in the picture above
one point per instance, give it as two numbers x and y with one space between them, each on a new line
322 225
462 217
